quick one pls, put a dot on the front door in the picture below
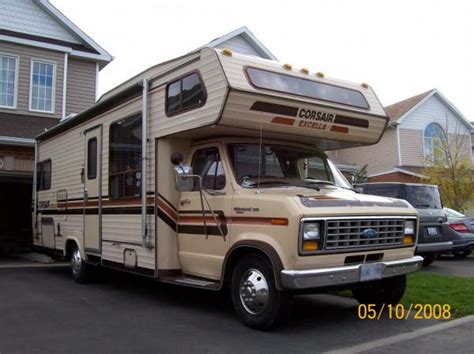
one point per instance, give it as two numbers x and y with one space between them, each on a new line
203 231
92 191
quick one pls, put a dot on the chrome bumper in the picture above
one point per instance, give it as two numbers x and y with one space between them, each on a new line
317 278
434 247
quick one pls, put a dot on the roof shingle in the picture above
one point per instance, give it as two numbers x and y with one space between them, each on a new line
398 109
21 126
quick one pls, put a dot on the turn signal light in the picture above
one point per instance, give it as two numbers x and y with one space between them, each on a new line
310 245
281 222
408 239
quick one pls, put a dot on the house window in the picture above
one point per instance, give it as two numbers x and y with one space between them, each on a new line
43 175
8 80
434 141
42 82
184 94
125 158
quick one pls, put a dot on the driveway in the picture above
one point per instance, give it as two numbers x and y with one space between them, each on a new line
43 311
448 264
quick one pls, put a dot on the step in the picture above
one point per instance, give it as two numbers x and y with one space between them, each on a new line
191 281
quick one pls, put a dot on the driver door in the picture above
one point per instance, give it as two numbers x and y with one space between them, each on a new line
203 232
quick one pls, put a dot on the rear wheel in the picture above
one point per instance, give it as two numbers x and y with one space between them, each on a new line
386 291
256 299
78 266
462 254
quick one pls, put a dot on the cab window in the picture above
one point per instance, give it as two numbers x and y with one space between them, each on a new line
207 164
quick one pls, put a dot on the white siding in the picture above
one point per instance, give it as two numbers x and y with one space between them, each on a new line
27 17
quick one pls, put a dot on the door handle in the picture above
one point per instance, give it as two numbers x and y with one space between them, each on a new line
184 201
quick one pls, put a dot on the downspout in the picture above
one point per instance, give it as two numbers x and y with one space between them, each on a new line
35 162
66 58
399 145
145 242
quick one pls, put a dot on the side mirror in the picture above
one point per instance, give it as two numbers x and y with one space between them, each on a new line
184 180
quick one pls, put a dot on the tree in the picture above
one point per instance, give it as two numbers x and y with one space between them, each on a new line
360 176
449 166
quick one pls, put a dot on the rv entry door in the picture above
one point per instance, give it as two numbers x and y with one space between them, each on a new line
92 175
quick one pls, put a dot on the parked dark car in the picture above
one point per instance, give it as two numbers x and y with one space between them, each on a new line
433 234
461 228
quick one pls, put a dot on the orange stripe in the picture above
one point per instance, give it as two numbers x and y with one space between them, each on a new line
339 129
283 120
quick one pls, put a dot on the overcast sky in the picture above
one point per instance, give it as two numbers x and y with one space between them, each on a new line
401 48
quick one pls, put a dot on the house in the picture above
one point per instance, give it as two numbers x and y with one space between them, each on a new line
48 71
415 128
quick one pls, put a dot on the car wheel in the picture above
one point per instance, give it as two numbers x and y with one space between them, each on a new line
462 254
78 266
429 258
256 299
385 291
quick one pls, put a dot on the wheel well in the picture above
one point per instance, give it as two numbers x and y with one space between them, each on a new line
70 246
239 253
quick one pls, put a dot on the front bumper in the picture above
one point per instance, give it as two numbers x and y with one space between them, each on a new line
434 247
318 278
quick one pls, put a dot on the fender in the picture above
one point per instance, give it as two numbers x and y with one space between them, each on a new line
75 237
261 246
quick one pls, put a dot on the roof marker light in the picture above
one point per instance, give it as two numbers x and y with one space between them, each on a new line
365 85
227 51
287 66
305 70
320 74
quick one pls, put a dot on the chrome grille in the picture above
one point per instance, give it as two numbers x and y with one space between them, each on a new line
349 233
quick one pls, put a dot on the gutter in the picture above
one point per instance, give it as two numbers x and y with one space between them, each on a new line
9 140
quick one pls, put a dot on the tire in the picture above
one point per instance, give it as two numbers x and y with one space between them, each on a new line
387 291
429 258
257 301
78 266
461 254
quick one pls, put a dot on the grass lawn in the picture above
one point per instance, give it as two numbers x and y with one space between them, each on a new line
430 288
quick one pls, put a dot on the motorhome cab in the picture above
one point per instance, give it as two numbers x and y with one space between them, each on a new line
208 171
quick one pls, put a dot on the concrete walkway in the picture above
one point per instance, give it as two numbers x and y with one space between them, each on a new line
453 336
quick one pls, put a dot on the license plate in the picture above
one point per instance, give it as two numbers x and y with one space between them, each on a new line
432 231
371 271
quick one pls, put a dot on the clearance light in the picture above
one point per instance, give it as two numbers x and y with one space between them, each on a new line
280 222
408 239
287 66
310 245
365 85
305 70
320 74
227 51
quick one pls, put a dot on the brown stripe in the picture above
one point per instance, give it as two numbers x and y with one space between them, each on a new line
339 129
274 108
171 213
355 122
283 120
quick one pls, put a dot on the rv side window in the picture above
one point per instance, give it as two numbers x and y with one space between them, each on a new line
125 158
43 175
92 158
184 94
207 164
268 80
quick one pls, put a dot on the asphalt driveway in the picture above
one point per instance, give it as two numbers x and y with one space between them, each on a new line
43 311
448 264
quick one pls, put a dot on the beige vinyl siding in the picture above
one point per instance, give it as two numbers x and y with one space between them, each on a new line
411 147
81 81
25 55
381 157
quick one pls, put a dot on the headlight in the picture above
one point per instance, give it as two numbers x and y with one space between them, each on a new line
409 235
311 231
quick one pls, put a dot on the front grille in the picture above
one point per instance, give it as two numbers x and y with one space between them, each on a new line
341 234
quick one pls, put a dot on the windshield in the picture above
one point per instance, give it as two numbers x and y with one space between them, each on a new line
274 165
424 197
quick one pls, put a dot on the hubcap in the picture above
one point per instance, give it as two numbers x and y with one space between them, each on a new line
254 292
76 262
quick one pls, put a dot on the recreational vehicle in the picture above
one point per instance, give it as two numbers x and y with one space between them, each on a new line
208 171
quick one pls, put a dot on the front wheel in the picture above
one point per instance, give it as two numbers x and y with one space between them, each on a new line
78 266
429 258
386 291
257 301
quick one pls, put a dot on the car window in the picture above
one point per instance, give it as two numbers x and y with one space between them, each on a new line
207 164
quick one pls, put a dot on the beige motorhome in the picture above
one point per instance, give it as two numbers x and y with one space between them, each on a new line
208 171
